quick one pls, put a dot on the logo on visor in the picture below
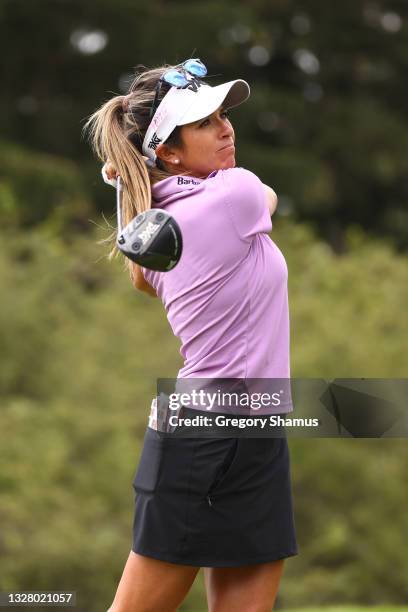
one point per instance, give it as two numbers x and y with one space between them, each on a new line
194 84
154 142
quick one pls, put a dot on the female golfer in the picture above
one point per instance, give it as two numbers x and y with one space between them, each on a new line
221 503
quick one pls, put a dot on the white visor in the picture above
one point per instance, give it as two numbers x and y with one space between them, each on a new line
182 106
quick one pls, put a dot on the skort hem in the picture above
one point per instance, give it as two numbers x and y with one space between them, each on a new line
216 562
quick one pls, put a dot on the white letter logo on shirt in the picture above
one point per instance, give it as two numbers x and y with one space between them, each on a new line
151 228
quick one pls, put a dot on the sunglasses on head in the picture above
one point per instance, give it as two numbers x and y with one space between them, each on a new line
177 77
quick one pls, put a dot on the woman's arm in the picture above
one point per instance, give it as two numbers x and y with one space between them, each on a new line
272 199
140 282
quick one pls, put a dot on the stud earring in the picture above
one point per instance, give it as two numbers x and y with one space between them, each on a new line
176 161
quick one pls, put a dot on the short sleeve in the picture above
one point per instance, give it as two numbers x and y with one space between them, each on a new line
246 199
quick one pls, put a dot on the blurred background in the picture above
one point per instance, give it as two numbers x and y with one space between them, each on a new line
326 127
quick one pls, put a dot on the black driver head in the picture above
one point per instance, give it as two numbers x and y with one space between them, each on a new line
152 240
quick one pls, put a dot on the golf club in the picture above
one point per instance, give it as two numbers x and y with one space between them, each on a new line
152 239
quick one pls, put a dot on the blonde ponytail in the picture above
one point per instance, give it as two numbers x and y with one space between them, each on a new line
116 131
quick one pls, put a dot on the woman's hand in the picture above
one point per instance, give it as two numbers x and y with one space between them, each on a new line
109 173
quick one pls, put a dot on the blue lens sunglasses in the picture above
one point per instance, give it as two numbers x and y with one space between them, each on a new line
178 78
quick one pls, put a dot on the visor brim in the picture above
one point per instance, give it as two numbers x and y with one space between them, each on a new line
210 98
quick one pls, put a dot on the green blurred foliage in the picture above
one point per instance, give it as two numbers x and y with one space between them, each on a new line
36 187
81 353
347 312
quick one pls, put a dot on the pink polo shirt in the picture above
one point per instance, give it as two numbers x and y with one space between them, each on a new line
226 300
